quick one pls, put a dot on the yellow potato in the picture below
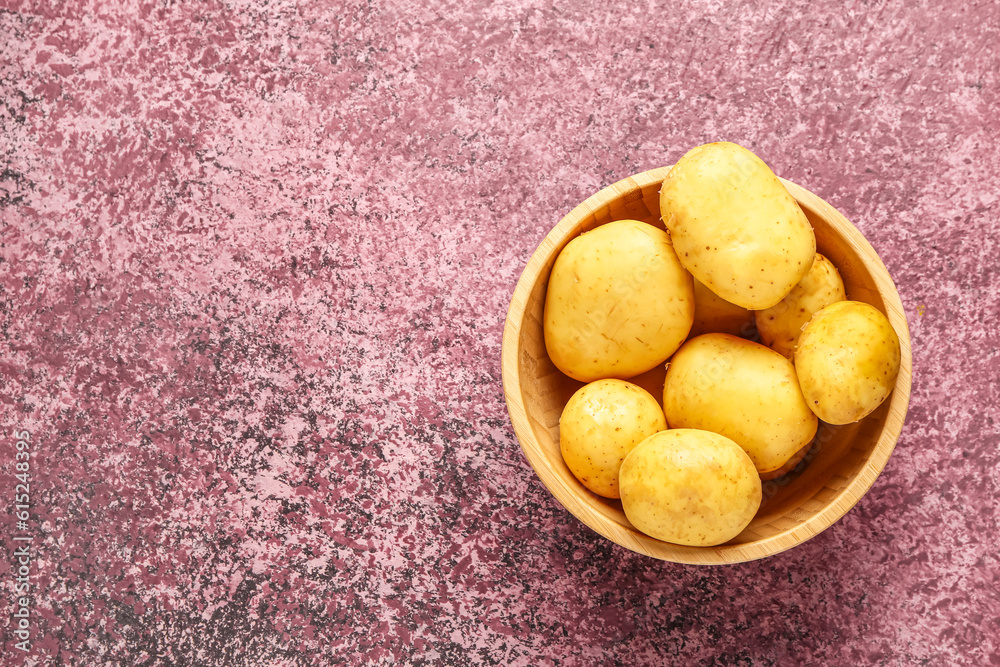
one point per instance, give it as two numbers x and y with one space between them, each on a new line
790 465
780 325
618 302
734 226
847 361
742 390
600 425
690 487
713 314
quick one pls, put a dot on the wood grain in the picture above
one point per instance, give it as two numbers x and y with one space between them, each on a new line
837 471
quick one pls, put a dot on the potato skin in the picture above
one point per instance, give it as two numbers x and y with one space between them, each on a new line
734 226
713 314
847 361
690 487
618 302
601 423
781 325
742 390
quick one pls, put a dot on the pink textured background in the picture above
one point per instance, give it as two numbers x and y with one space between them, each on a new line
256 257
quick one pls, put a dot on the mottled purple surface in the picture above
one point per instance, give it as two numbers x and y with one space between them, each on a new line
256 258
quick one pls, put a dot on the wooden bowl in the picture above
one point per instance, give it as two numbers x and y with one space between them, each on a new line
841 465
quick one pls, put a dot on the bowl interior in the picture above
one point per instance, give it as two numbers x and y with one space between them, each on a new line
842 462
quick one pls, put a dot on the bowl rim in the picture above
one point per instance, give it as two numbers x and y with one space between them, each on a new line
835 508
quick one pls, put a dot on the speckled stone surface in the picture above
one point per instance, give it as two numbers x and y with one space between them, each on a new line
256 258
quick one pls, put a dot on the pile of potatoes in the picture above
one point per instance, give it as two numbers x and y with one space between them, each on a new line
738 256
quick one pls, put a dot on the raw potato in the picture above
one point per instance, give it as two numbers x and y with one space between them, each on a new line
618 302
742 390
847 361
602 422
735 227
790 465
713 314
690 487
781 325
